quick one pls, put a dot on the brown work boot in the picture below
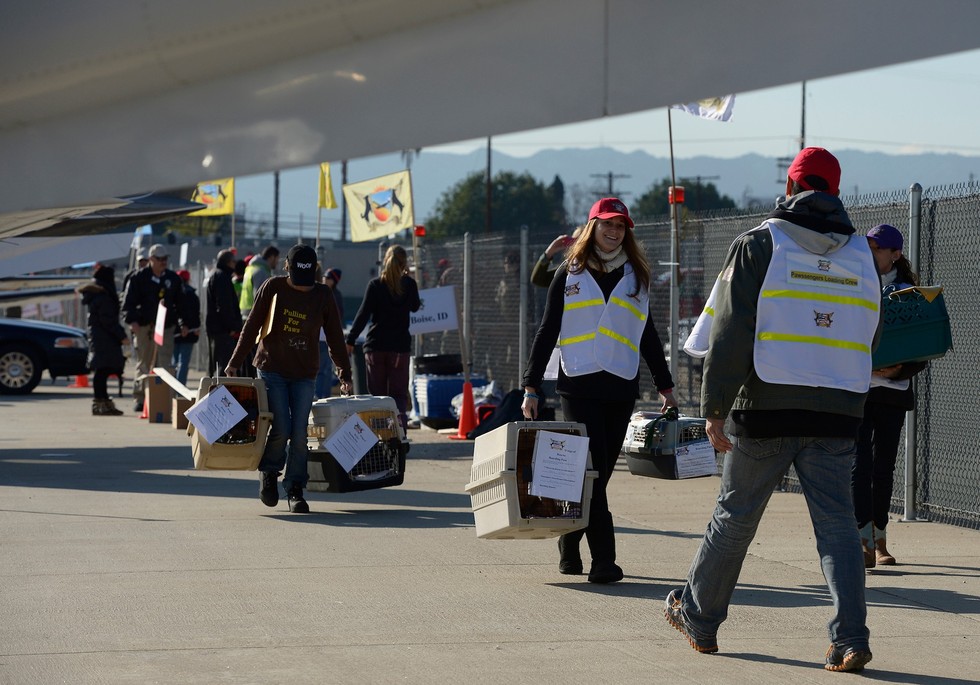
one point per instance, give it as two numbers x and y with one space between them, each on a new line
868 544
881 552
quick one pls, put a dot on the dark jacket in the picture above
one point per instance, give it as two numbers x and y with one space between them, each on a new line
190 317
390 317
222 316
601 384
105 333
144 293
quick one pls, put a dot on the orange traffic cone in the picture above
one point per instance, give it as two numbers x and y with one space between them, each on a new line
467 414
80 382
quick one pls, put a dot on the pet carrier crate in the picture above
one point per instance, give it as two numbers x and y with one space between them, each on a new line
500 480
241 448
384 464
653 440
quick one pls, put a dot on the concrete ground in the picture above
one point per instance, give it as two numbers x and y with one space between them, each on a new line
119 563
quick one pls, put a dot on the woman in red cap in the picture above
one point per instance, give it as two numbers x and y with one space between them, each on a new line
598 311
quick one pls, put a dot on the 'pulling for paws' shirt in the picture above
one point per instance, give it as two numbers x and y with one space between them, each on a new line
292 346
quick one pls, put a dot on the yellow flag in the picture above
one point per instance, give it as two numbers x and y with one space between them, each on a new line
380 206
325 199
219 196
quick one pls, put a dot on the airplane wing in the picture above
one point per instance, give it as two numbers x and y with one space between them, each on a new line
36 240
127 96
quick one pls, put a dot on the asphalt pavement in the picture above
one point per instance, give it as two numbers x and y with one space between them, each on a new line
119 563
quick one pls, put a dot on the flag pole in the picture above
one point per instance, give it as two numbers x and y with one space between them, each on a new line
674 271
319 214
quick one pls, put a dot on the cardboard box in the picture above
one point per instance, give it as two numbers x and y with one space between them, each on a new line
156 396
179 406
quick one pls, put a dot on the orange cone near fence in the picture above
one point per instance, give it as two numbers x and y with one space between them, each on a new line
80 382
467 414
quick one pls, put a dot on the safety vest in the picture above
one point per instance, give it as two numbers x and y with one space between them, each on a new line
247 297
696 344
817 315
597 335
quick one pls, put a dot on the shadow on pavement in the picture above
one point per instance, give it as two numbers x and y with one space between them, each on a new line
169 470
869 673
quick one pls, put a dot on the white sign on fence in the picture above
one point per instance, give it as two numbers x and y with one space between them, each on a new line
438 311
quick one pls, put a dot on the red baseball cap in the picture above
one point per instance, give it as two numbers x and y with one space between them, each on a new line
813 165
185 275
609 207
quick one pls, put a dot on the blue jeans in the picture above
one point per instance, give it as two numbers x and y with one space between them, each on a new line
752 471
324 377
182 359
290 401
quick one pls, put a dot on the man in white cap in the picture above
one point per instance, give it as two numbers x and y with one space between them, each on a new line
144 293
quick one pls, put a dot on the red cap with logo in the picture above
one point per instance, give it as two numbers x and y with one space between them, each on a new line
609 207
813 165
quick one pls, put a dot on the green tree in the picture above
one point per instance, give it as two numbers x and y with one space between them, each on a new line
518 200
697 198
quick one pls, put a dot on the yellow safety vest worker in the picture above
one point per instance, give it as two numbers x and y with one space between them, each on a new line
817 315
597 335
247 297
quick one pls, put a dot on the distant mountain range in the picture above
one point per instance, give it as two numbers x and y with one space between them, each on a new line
585 174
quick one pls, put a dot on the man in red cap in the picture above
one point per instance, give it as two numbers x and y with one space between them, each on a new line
796 316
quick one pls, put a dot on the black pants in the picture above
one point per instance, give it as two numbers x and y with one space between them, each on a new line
100 382
874 466
606 423
220 347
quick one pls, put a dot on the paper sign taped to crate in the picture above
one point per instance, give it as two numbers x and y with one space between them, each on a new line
215 414
161 323
437 313
349 443
696 459
558 465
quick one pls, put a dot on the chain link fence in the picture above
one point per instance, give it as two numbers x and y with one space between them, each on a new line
500 310
947 459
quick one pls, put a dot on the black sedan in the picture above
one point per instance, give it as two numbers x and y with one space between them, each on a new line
29 347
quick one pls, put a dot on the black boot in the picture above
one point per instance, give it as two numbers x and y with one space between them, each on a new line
569 559
268 488
297 504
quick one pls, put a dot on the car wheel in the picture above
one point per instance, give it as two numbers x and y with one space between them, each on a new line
20 370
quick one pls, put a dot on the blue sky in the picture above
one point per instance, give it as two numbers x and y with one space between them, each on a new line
924 106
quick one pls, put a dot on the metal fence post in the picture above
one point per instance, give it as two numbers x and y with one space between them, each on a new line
522 307
467 297
911 433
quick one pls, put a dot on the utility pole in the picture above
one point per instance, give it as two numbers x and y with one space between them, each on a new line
489 226
609 192
803 119
697 188
275 209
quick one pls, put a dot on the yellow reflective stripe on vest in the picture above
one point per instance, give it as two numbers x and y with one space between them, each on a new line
584 303
822 297
626 305
576 339
710 311
814 340
617 337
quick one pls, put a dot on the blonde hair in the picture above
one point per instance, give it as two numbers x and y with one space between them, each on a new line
583 251
393 268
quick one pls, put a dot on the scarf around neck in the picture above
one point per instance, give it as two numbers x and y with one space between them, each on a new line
608 261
